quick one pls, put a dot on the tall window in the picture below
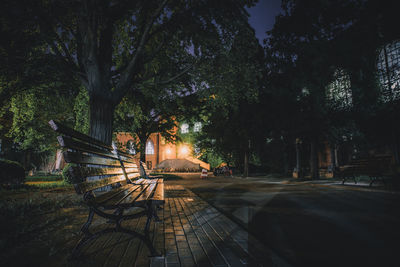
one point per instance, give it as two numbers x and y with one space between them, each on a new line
149 148
197 127
339 90
389 71
184 128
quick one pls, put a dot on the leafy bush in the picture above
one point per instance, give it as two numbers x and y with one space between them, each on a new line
11 172
66 174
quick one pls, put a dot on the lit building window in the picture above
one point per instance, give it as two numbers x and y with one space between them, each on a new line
149 148
185 128
197 127
339 90
389 71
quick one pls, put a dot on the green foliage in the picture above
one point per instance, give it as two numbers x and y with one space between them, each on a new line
66 174
31 110
11 172
81 111
212 158
47 178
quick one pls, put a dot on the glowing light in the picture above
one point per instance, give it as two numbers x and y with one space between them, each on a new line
184 150
168 151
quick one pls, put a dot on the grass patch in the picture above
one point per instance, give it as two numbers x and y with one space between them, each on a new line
43 178
23 219
169 177
46 185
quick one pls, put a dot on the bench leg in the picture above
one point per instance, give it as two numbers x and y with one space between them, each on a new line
372 181
119 213
85 227
87 235
149 217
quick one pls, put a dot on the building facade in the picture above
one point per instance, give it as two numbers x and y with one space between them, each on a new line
158 149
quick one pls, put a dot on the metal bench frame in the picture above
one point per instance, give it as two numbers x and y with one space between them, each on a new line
150 206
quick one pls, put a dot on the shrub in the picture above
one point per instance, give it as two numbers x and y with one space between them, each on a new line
11 172
66 174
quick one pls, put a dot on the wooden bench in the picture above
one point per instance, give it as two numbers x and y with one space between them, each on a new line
110 183
376 168
144 172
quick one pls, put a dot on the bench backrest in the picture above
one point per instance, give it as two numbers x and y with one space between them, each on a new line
93 158
144 172
376 164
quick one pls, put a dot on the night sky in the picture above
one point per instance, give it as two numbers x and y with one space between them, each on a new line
262 16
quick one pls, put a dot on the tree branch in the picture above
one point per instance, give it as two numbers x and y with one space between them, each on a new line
127 74
173 78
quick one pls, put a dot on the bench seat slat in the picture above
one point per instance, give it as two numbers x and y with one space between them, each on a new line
147 194
158 196
108 195
128 197
115 200
78 158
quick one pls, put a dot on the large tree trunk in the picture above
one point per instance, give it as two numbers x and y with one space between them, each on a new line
246 160
298 159
101 119
142 147
333 159
314 159
246 164
396 148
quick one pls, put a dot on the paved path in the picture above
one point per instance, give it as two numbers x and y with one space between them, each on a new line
312 223
192 233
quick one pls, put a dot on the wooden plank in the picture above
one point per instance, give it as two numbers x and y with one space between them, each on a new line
117 199
129 199
246 241
79 158
108 195
233 252
147 193
199 254
130 254
208 245
193 244
171 249
94 184
68 142
60 128
158 193
143 259
90 250
84 172
118 251
145 172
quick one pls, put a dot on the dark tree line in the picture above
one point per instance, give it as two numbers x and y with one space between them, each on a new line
145 64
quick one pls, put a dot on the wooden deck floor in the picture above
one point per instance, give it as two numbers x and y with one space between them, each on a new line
192 233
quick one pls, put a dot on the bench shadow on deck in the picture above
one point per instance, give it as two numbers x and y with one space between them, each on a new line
192 233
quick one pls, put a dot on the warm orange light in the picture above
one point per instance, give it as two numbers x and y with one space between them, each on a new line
168 151
184 150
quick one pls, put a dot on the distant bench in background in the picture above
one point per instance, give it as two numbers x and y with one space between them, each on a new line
376 168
